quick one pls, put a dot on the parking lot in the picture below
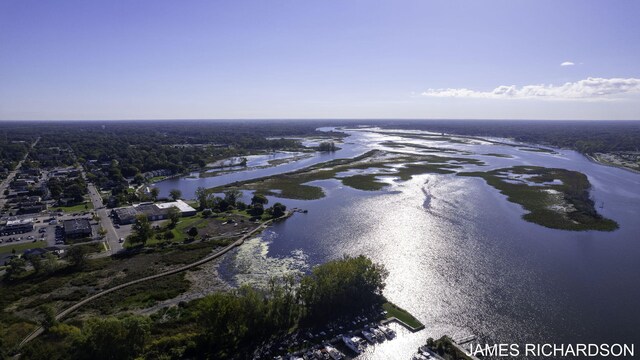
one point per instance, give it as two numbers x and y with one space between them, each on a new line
48 228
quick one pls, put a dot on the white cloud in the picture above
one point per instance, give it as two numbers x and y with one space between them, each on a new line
567 63
588 89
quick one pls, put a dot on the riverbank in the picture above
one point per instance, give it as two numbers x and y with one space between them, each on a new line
604 163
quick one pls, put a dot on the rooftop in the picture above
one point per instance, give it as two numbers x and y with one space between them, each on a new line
181 205
73 225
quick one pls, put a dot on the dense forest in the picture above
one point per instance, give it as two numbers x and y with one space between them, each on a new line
152 145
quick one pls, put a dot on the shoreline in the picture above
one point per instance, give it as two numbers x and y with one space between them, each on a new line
596 161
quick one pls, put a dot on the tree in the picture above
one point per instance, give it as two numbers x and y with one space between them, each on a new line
327 146
112 338
206 213
343 286
142 230
175 194
138 179
259 199
48 317
232 195
278 210
15 268
154 192
174 215
77 256
256 210
102 232
193 232
36 262
203 197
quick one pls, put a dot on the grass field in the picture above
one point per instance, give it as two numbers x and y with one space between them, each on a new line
75 208
5 249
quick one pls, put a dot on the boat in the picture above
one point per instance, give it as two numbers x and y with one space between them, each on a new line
334 353
319 355
369 336
389 333
353 343
377 333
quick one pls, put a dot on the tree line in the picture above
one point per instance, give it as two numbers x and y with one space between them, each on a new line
222 324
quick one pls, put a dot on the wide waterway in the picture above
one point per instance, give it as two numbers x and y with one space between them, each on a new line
461 259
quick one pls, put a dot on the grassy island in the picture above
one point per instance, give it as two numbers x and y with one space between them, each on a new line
555 198
294 185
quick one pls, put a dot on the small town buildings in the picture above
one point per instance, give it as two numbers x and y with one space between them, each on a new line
17 226
77 228
159 211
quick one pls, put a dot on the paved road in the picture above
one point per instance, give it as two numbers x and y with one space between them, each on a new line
74 307
111 239
5 184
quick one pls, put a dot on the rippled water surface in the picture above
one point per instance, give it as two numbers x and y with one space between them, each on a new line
462 260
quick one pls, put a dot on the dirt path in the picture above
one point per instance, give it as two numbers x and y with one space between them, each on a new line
226 249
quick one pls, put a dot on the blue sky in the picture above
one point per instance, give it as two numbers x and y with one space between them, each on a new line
153 59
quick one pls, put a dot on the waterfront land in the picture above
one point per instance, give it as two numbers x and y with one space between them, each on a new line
196 310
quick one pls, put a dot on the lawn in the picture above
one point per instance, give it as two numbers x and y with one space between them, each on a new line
402 315
21 247
156 179
75 208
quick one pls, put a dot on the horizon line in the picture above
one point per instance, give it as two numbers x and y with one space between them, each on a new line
310 119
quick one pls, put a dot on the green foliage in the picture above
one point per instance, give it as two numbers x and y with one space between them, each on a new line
206 213
231 196
327 146
231 321
48 317
175 194
174 216
259 199
294 185
77 256
256 210
193 232
342 286
367 182
142 230
444 347
16 267
44 264
402 315
154 192
543 206
111 338
278 210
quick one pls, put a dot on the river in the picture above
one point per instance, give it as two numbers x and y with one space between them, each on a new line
461 259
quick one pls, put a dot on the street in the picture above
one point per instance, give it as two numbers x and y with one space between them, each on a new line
111 238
